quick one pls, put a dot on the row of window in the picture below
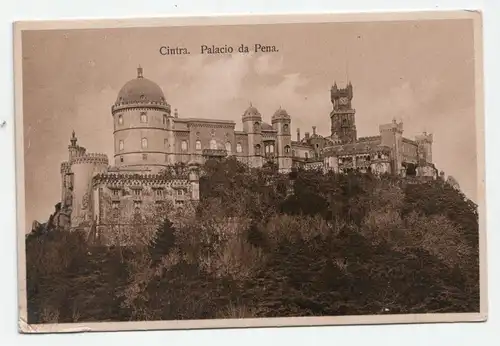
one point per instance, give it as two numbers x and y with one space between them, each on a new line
143 118
269 149
184 145
158 192
137 204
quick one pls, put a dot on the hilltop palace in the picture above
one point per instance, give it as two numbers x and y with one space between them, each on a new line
149 138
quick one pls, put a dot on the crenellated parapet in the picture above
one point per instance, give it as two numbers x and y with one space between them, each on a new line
114 179
146 105
90 158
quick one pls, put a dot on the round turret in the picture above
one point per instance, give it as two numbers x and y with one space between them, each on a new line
143 125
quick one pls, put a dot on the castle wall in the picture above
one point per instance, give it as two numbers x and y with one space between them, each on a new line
409 151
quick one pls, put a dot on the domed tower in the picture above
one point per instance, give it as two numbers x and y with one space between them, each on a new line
252 122
281 123
142 126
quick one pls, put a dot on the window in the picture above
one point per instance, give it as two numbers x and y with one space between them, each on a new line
306 155
285 128
317 146
228 148
144 117
120 119
144 143
184 145
213 144
198 145
164 119
159 193
121 145
144 157
137 192
287 149
121 158
293 152
115 192
179 192
239 149
256 126
271 148
257 149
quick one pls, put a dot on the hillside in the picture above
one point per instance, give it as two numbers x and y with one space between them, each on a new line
263 244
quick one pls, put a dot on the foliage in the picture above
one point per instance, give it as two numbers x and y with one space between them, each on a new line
264 244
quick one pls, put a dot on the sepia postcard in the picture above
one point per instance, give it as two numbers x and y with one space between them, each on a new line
250 171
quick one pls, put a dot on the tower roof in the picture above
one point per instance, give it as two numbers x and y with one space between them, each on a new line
251 111
140 89
280 114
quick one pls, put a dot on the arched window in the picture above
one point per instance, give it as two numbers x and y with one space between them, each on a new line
257 149
120 119
198 145
228 148
213 144
285 128
306 155
121 158
256 126
121 144
239 149
184 145
271 148
287 149
293 152
144 117
164 119
144 143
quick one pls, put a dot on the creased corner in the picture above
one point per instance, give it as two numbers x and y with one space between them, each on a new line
24 327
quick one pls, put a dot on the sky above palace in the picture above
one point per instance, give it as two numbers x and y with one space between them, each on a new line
419 72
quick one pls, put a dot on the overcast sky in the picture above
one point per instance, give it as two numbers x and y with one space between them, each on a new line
419 72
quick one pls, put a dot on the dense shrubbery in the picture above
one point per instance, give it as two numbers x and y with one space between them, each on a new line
255 246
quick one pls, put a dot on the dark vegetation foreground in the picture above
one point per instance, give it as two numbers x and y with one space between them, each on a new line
256 247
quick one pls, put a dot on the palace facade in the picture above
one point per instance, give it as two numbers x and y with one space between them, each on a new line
149 139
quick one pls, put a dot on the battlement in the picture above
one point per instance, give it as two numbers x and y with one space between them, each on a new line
120 106
92 158
424 137
135 179
392 127
336 92
368 138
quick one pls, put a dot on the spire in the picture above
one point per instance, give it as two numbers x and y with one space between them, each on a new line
73 139
139 72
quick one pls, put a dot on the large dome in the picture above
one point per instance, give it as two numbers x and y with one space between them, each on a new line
140 89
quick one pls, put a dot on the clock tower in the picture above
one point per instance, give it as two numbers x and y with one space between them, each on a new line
342 116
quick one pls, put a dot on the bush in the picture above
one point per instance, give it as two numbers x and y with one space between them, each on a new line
259 244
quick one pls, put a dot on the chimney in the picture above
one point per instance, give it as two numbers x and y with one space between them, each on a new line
314 130
298 135
307 135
